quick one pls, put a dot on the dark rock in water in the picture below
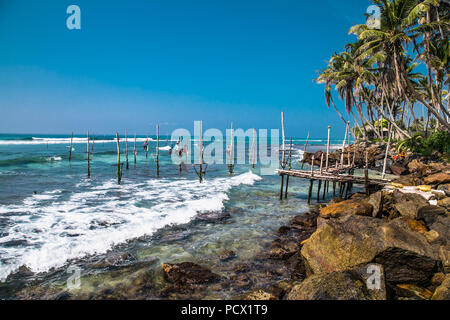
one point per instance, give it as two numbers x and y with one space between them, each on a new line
213 216
283 248
240 281
113 260
343 243
187 273
398 169
260 295
343 285
43 293
296 266
353 207
443 291
241 267
283 230
308 220
227 255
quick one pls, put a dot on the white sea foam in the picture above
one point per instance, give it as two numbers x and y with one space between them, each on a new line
95 220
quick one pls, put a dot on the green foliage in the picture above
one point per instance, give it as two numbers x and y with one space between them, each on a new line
437 141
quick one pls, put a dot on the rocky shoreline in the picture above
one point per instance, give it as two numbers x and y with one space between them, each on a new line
390 245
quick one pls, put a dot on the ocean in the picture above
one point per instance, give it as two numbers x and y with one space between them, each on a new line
53 216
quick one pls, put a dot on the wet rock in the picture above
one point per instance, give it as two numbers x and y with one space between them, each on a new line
283 230
339 285
443 291
213 216
430 213
437 178
283 248
398 169
348 207
187 273
112 260
227 255
241 281
43 293
241 267
260 295
296 266
408 204
343 243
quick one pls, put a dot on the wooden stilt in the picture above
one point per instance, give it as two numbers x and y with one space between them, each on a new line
334 189
231 163
135 150
281 187
312 166
290 167
328 148
88 157
157 150
387 152
366 174
318 190
70 149
311 181
126 148
119 171
325 186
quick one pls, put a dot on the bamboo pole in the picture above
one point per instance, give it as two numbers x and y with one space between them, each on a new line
157 150
328 148
119 173
318 190
321 163
343 147
88 157
231 165
70 150
283 154
126 148
253 156
290 167
387 152
366 174
135 150
312 166
311 182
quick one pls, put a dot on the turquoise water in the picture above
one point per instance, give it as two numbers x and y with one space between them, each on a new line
53 216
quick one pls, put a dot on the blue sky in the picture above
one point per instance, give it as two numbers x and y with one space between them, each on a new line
140 62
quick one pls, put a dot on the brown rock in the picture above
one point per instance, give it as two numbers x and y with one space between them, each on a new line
445 203
343 243
416 165
398 169
260 295
443 291
413 291
351 207
437 178
343 285
376 200
444 255
429 214
407 204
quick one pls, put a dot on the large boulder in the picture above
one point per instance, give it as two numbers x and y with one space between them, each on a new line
351 206
444 255
443 291
346 242
343 285
430 214
408 204
398 169
437 178
376 200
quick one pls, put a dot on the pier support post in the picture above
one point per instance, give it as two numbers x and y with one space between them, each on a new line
311 182
318 190
366 174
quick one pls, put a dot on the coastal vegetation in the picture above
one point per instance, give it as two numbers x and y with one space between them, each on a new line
393 80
